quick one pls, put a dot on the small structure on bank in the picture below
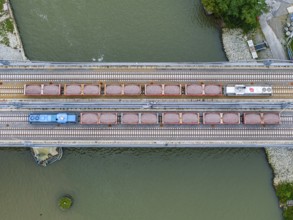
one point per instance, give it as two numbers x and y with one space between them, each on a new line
46 155
255 48
252 49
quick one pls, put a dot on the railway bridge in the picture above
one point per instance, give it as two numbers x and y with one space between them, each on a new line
15 106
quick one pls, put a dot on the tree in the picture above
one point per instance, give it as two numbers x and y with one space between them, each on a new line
237 13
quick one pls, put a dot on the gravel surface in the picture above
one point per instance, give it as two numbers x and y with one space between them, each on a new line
281 160
235 45
8 53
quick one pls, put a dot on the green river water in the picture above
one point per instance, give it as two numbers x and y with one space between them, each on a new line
117 31
144 184
131 184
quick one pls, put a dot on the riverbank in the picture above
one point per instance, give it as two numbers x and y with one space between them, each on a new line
11 47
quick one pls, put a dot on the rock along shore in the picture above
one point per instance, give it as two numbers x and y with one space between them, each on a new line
235 45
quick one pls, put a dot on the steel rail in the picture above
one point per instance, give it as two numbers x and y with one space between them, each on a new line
144 104
156 75
152 133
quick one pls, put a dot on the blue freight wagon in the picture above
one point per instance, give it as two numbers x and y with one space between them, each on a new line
51 118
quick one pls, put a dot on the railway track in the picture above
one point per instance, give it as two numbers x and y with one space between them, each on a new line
225 76
13 118
11 91
146 105
154 133
282 91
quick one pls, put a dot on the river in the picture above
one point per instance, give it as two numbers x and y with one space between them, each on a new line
117 31
131 184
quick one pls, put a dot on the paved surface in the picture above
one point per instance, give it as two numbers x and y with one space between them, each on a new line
271 38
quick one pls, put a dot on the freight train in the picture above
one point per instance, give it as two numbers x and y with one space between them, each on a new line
122 89
153 118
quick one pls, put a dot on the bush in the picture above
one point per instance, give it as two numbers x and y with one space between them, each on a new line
5 41
237 13
284 192
8 25
1 4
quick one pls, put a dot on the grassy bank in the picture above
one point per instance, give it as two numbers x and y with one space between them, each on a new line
5 28
284 192
1 5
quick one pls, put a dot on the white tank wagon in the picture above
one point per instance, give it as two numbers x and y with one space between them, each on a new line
248 90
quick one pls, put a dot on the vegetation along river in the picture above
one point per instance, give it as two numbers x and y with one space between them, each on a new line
117 31
128 184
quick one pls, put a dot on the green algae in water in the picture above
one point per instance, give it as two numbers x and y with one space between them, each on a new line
65 202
